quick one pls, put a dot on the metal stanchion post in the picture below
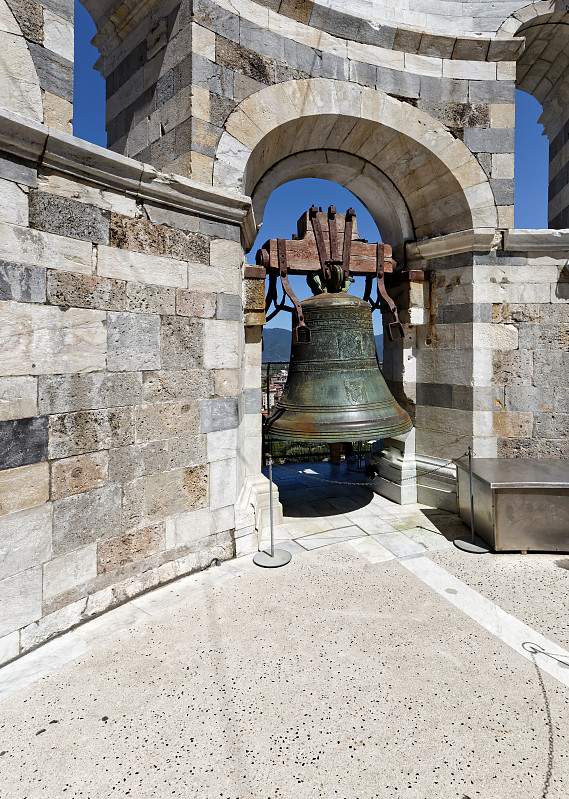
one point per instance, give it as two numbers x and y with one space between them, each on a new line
475 546
275 557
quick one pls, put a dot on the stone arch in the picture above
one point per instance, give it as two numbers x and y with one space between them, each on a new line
543 71
435 176
19 83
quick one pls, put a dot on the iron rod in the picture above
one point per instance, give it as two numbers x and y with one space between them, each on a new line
271 506
471 494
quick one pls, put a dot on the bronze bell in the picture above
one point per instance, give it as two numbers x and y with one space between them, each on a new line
335 391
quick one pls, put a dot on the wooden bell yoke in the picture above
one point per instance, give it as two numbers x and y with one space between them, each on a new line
327 250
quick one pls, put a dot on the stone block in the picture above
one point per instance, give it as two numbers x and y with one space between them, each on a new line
227 382
53 624
13 203
142 298
20 600
57 112
216 18
65 186
128 463
222 344
25 540
22 283
68 572
173 492
143 236
222 445
23 442
251 401
510 424
222 483
551 425
550 368
29 16
512 368
226 253
193 384
13 169
187 528
218 278
444 90
85 291
503 190
89 431
9 647
65 393
133 341
219 414
160 215
139 267
229 307
79 474
55 73
38 248
489 140
58 34
66 217
181 343
223 519
167 420
529 398
24 487
81 519
114 553
195 303
489 91
38 339
18 398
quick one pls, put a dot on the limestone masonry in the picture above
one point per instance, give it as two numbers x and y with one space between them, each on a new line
130 426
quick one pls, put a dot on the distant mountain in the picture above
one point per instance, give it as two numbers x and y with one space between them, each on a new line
276 345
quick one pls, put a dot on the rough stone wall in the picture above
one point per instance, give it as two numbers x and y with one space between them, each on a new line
37 66
121 403
492 356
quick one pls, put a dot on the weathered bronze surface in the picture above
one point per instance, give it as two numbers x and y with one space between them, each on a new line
335 390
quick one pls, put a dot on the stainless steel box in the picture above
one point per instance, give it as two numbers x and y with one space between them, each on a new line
519 505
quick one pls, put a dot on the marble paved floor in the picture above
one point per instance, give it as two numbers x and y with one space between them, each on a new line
381 662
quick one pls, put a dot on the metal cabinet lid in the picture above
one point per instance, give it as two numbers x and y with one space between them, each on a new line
521 472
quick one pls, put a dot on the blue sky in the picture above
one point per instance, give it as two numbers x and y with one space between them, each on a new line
289 201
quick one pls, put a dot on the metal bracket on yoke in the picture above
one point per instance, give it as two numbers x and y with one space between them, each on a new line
384 251
300 332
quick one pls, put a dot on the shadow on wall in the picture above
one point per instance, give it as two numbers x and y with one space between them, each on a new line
562 288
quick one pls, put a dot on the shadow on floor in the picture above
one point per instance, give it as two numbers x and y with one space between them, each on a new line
448 524
321 489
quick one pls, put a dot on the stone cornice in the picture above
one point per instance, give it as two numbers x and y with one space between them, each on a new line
536 241
31 141
473 240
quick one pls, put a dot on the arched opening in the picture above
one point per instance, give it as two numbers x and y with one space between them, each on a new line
89 84
542 73
281 211
530 165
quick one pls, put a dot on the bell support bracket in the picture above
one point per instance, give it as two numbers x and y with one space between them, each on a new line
299 323
308 253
